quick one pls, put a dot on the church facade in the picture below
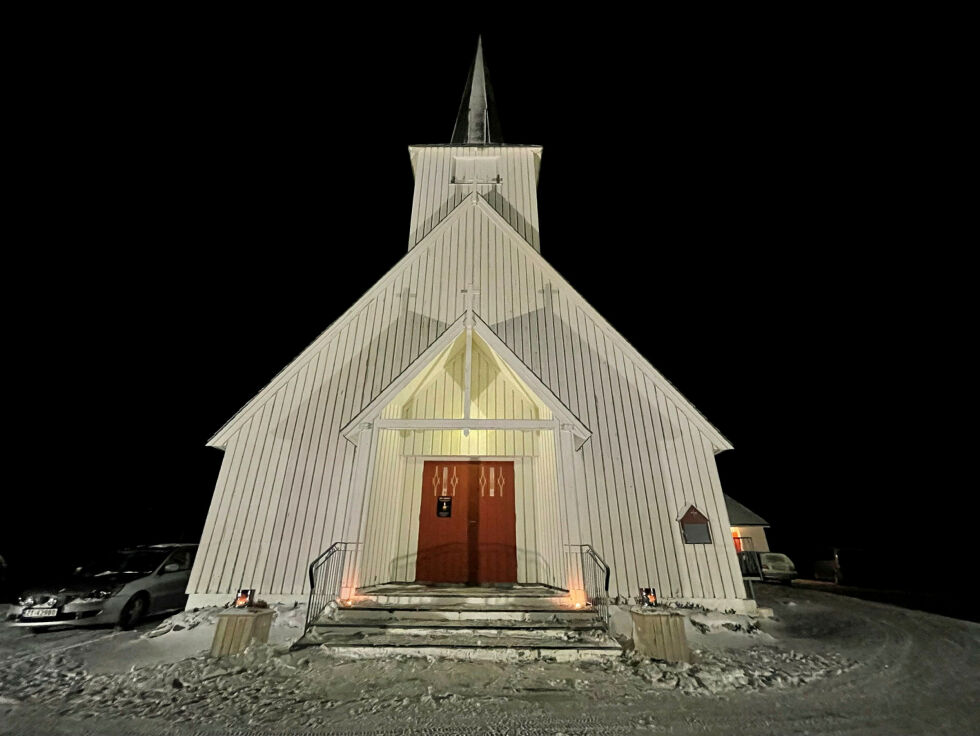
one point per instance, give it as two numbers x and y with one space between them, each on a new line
471 419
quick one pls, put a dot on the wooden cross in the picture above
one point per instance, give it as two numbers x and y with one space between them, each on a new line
469 292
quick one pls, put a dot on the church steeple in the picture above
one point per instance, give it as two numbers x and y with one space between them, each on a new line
477 122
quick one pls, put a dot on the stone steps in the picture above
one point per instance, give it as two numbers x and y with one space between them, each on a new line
502 624
462 646
420 612
498 597
488 628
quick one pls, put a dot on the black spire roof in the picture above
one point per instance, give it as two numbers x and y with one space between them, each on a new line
477 122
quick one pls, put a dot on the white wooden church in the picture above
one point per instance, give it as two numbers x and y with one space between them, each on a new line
470 419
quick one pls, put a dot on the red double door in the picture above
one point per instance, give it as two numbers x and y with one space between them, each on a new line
467 523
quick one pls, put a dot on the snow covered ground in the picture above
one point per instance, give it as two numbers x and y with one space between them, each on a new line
823 665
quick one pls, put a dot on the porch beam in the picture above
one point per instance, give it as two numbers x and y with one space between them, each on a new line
520 424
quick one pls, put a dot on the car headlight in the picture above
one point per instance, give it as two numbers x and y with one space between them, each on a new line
26 601
99 594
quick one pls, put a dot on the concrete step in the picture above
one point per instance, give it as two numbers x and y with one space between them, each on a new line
371 610
505 596
467 646
484 591
488 628
502 601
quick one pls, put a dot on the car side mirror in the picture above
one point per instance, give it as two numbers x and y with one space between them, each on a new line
171 567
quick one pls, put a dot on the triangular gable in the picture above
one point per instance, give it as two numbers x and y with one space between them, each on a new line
478 203
696 417
457 351
692 516
563 415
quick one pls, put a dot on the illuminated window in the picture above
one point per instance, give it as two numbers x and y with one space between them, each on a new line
694 526
742 544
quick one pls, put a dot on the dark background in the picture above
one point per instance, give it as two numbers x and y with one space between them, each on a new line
194 203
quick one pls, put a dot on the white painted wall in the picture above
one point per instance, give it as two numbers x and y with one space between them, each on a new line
284 490
515 197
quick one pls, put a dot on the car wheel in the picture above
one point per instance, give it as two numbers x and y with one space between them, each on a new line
133 611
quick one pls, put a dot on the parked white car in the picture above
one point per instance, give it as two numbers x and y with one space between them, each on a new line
121 588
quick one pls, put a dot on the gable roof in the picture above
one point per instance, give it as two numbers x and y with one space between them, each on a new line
739 515
467 208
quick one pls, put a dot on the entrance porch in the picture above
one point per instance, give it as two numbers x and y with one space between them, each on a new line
462 477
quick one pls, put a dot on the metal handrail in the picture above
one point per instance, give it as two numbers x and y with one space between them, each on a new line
326 579
596 594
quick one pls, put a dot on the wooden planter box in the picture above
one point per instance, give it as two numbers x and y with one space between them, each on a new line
239 627
660 634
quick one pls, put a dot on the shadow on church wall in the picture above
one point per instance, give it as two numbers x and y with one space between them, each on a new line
504 207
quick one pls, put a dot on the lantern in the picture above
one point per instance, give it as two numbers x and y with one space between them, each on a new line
245 598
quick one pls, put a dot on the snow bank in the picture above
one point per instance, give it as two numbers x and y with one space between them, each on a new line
286 626
182 636
184 621
757 668
711 630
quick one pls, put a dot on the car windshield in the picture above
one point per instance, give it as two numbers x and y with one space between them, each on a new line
133 562
776 557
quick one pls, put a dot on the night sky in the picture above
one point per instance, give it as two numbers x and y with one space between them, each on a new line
200 204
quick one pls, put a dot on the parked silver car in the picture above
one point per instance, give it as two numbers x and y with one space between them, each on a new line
770 566
120 588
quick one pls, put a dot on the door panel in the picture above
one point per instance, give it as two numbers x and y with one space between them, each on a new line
497 528
467 523
444 533
168 589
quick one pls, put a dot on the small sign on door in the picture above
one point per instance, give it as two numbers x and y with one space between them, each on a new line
444 506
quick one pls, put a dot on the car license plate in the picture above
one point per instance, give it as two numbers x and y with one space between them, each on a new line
40 613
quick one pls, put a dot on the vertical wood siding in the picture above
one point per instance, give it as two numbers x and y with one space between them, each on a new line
515 197
284 490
